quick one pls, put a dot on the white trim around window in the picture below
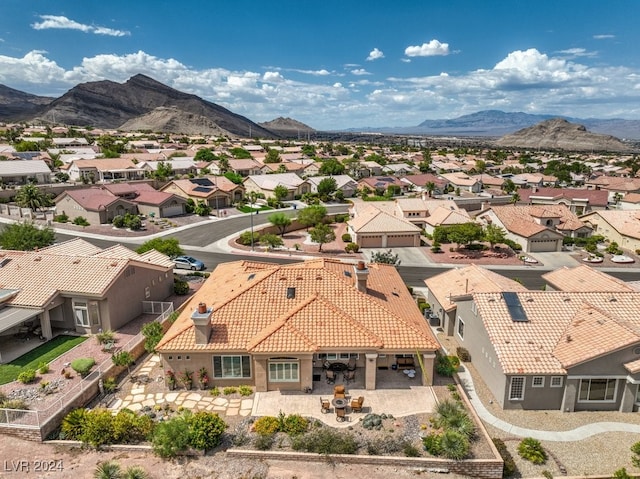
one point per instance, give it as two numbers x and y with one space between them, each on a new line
516 388
537 382
460 328
556 381
284 371
81 313
601 390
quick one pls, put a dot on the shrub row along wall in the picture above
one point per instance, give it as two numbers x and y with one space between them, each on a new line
481 468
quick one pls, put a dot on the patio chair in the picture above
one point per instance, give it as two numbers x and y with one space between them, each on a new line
331 376
339 392
341 414
351 365
325 405
349 376
356 404
326 364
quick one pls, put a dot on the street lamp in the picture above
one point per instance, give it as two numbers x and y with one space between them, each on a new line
252 199
215 178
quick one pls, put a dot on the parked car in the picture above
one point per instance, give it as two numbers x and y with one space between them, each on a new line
188 262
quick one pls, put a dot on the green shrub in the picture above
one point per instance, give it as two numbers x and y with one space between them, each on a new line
43 367
14 404
83 365
621 474
264 442
326 441
61 218
352 248
118 221
509 468
81 221
266 425
110 384
215 391
635 449
180 286
108 470
73 424
245 390
129 428
346 237
454 445
105 336
245 238
229 390
410 450
27 376
295 424
431 443
205 430
98 428
152 333
531 450
171 437
447 365
452 417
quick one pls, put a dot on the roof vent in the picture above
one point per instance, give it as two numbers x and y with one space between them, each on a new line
291 293
347 274
612 299
76 261
4 262
251 276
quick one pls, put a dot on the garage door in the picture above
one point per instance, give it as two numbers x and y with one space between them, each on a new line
370 241
400 240
542 246
169 211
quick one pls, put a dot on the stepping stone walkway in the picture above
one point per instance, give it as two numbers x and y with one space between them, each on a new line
201 401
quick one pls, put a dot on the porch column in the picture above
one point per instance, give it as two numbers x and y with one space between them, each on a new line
370 370
428 362
260 374
384 240
45 324
628 397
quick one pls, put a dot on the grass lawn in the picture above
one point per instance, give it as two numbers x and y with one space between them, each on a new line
45 353
248 209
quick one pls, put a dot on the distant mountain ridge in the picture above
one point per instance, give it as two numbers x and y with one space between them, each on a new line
14 104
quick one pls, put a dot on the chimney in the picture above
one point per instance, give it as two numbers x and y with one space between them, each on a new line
362 273
201 318
485 205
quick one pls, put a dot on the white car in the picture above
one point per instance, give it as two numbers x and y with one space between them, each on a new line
188 262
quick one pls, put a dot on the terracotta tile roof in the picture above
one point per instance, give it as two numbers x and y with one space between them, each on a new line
625 222
91 199
584 278
630 198
447 286
593 197
633 366
106 164
446 216
520 219
203 187
251 311
154 197
369 219
460 179
539 345
119 189
72 247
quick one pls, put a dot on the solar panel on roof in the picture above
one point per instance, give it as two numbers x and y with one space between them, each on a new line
201 181
202 189
516 311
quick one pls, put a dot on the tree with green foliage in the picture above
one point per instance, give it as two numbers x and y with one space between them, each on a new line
233 177
271 241
164 170
123 358
30 196
494 234
27 146
280 193
309 150
273 156
386 257
204 154
280 221
108 143
465 233
25 236
327 187
202 208
322 234
240 153
509 186
168 246
312 215
331 166
152 333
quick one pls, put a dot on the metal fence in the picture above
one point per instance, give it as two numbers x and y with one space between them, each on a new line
23 418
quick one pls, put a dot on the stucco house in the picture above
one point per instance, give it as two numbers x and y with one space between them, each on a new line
266 184
621 226
76 286
536 228
463 181
372 227
96 205
345 183
583 278
23 171
557 350
445 289
100 170
272 326
579 201
216 191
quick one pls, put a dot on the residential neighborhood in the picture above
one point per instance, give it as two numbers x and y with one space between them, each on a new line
412 258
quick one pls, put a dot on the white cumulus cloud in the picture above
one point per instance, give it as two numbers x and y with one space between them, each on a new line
375 54
360 71
603 36
64 23
431 49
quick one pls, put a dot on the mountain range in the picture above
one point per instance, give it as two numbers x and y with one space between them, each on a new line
142 103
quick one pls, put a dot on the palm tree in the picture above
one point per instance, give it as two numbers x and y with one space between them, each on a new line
108 470
30 196
430 186
515 198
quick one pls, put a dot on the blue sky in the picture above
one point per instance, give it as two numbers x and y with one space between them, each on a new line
336 64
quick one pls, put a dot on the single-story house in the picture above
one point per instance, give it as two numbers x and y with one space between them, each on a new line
579 201
76 286
272 326
345 183
24 171
179 166
463 181
96 205
216 191
535 228
380 184
631 201
150 202
621 226
100 170
555 350
419 183
266 184
445 216
444 289
583 278
371 227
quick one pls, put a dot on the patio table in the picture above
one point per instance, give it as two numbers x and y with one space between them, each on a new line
338 367
339 403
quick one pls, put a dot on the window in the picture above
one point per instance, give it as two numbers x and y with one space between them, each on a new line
460 327
597 390
284 371
537 382
231 367
516 388
556 381
81 313
147 292
474 308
